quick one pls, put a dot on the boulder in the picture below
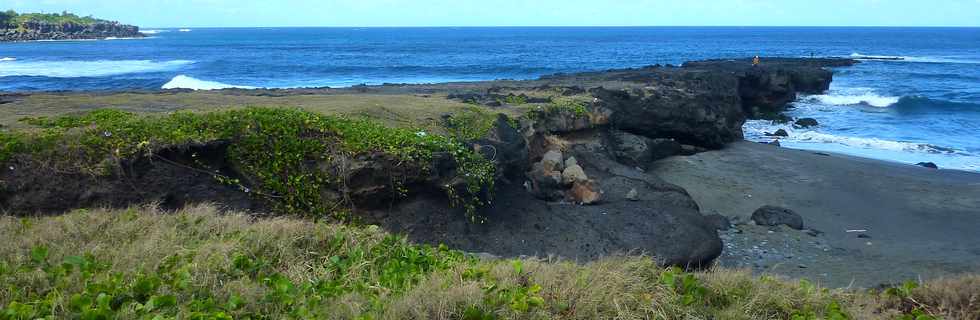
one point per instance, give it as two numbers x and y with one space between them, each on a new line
629 149
633 195
637 151
719 222
774 216
573 174
929 165
806 122
585 192
571 161
520 225
552 161
778 133
544 184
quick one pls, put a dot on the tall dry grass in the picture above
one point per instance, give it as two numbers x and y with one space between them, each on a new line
348 272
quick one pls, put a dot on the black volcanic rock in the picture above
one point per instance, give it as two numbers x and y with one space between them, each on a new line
778 133
806 122
774 216
766 89
929 165
40 30
707 113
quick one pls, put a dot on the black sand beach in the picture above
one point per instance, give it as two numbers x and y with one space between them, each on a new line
919 222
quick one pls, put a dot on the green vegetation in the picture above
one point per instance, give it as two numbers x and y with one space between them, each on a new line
470 123
199 263
573 105
271 145
513 99
11 19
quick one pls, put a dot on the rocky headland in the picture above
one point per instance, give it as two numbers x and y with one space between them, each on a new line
34 27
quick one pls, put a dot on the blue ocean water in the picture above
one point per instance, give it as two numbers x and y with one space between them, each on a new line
925 107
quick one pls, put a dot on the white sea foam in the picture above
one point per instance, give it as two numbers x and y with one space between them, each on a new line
185 30
129 38
186 82
868 98
859 56
5 59
97 68
756 130
153 31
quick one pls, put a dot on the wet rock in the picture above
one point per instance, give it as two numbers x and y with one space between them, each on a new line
806 122
778 133
719 222
586 192
573 174
774 216
929 165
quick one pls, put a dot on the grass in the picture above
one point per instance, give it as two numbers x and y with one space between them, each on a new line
271 146
199 263
393 110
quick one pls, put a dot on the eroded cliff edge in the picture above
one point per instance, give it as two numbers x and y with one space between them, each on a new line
571 174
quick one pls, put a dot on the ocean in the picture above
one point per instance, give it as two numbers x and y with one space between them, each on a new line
924 107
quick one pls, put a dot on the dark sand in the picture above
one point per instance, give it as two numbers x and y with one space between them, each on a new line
921 223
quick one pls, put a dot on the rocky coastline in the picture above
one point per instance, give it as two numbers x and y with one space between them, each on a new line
40 30
582 153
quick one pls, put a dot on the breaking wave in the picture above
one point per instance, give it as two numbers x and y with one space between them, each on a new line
757 130
852 96
186 82
76 69
859 56
869 99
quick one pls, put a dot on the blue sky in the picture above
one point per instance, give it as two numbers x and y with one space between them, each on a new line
269 13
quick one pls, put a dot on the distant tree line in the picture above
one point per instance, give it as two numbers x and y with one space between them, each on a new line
10 19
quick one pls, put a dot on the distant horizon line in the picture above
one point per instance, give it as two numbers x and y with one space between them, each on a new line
565 26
